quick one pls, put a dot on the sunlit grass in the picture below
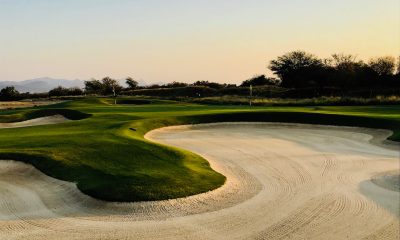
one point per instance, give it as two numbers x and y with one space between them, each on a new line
108 160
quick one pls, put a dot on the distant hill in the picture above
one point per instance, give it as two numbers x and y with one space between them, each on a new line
45 84
38 85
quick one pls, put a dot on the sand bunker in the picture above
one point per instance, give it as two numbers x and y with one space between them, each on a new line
389 180
36 122
283 181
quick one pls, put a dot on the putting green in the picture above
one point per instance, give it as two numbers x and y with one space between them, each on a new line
104 150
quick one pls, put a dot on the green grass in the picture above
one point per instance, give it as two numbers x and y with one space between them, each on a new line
109 161
320 101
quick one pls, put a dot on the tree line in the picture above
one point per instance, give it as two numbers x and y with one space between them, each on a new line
300 71
295 70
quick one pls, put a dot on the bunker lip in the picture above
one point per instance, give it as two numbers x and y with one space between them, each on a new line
379 137
388 180
55 119
282 180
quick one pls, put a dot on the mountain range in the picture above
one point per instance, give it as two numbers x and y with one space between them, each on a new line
45 84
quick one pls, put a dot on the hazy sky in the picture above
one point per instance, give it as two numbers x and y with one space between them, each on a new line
186 40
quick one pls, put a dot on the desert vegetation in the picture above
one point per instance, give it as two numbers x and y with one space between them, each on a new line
298 75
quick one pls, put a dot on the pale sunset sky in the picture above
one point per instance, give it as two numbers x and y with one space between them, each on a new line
185 40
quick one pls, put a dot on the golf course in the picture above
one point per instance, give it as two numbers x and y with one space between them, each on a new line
103 148
192 120
105 168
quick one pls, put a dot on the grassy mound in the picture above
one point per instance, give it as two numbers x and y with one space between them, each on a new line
26 115
109 161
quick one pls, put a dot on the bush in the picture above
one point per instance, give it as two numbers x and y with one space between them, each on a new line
191 91
61 91
9 94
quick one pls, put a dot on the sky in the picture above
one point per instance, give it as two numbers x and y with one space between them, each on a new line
185 40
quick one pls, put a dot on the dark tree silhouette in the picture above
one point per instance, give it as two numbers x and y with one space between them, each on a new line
398 66
341 74
93 86
9 94
62 91
107 86
176 84
132 84
298 69
383 66
208 84
346 72
260 80
110 86
340 60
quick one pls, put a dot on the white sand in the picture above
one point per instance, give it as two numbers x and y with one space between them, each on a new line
55 119
284 181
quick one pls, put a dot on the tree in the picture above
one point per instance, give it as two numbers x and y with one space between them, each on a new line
342 60
153 86
9 94
208 84
383 66
398 66
61 91
346 72
132 84
110 86
93 86
298 69
75 91
176 85
106 86
259 80
58 91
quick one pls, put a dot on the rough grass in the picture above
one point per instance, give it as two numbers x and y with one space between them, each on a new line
109 161
321 101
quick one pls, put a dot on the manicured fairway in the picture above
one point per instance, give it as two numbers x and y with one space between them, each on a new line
105 153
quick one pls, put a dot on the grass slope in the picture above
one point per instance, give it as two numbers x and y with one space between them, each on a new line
109 161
